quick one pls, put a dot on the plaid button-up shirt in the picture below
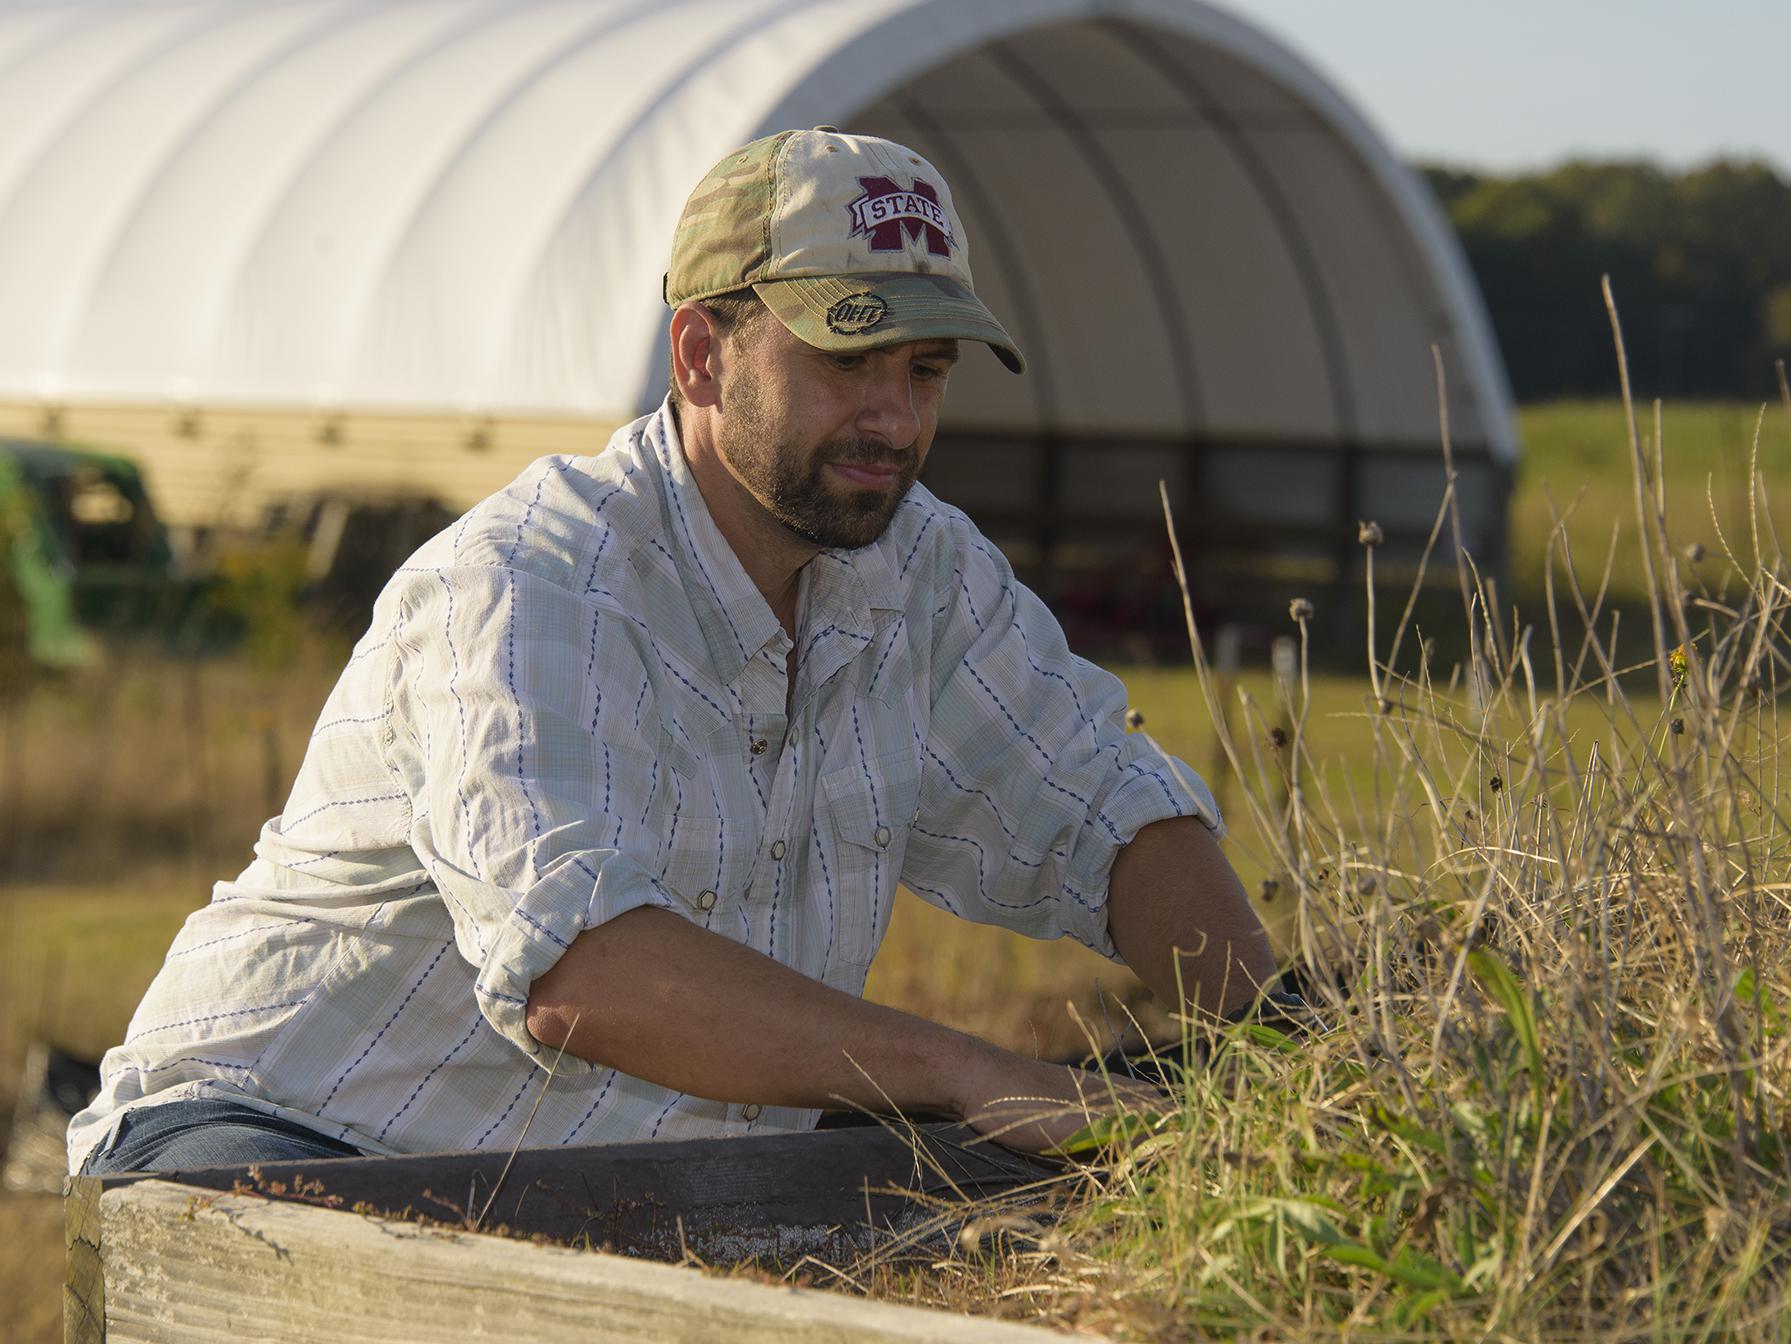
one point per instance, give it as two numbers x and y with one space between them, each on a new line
573 703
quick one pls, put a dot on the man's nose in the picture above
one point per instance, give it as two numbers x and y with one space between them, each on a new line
888 412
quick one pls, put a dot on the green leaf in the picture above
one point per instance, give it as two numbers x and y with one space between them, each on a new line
1309 1219
1501 982
1755 995
1410 1130
1415 1309
1105 1131
1411 1268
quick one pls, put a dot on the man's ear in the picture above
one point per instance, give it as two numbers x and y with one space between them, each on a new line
696 354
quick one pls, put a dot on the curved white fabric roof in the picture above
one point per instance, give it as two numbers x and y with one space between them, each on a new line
466 205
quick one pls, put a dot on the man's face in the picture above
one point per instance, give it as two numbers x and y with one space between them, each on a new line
829 443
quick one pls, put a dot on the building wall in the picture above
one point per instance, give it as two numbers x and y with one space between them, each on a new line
214 467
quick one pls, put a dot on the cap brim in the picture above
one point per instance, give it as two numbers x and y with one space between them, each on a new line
860 312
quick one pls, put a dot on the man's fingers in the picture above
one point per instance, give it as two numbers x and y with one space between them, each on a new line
1038 1120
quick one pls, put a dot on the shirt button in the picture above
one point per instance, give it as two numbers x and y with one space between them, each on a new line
707 900
882 837
795 735
758 746
751 1112
777 849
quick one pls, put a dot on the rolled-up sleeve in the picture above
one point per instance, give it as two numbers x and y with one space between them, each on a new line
522 730
1030 784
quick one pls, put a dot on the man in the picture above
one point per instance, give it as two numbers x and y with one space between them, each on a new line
612 800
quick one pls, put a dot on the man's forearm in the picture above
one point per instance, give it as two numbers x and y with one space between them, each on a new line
1172 888
655 996
662 999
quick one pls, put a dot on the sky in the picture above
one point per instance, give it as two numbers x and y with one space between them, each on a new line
1520 84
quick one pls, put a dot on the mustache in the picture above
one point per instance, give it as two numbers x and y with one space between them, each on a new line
868 453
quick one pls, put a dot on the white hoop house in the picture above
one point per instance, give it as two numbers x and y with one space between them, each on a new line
276 242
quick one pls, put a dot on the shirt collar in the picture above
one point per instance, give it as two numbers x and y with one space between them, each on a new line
845 585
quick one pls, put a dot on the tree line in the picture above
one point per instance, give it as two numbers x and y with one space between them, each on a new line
1699 260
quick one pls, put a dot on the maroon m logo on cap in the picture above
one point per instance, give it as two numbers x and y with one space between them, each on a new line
886 211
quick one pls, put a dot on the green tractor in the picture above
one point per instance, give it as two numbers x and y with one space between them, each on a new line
81 553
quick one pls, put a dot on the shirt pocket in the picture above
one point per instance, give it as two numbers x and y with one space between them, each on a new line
708 867
871 804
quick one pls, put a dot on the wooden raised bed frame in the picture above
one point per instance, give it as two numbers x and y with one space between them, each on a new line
381 1249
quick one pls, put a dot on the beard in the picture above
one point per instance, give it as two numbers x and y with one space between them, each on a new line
795 486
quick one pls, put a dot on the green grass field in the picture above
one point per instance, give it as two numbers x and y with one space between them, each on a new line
126 805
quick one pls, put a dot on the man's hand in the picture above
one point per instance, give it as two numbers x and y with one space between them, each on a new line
1034 1106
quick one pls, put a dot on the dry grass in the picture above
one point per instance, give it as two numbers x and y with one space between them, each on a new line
1548 918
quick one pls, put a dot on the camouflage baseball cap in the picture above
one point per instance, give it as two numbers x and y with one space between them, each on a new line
852 241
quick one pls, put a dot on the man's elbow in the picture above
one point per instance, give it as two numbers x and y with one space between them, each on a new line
549 1021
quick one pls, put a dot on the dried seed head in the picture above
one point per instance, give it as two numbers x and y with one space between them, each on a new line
1694 552
1278 737
1496 783
1369 534
1300 609
1366 884
1134 719
1270 889
1678 727
1384 705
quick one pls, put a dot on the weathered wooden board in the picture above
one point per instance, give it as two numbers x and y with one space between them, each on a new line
196 1266
771 1197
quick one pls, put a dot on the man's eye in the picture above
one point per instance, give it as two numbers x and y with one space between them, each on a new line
929 372
847 361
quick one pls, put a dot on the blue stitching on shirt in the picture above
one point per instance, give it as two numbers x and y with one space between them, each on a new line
466 810
341 802
243 1069
896 632
909 558
1026 647
777 894
1012 721
372 718
590 667
951 778
529 919
982 856
213 1017
506 1115
1138 767
720 713
833 909
418 1089
380 1034
934 891
708 578
662 1115
242 933
652 789
367 653
522 782
594 1105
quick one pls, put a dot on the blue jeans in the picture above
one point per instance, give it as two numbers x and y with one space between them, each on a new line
206 1132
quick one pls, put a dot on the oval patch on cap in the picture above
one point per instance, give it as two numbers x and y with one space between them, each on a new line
856 314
